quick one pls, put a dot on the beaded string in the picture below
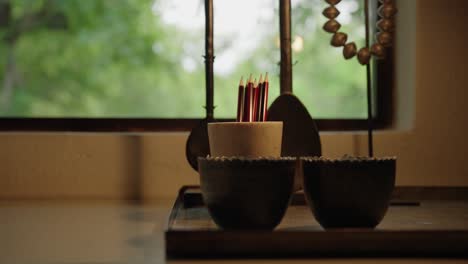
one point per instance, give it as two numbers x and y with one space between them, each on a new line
384 38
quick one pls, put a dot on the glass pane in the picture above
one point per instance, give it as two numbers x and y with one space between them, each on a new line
328 85
246 35
143 58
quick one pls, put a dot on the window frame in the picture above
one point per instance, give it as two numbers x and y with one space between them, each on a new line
383 74
382 119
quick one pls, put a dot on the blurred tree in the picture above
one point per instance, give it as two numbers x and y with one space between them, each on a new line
118 58
76 56
14 28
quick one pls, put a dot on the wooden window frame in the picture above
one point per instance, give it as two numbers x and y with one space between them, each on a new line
383 74
382 118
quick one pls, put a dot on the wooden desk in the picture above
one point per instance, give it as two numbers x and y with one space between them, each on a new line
95 232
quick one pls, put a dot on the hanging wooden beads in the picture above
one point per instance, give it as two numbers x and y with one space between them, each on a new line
384 38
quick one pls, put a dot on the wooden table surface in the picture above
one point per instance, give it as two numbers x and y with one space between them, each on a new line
95 232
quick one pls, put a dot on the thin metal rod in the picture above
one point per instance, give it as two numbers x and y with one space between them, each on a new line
285 46
209 58
369 85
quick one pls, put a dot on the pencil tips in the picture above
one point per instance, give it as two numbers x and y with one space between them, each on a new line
252 99
241 82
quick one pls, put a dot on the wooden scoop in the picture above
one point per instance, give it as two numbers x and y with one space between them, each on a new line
300 134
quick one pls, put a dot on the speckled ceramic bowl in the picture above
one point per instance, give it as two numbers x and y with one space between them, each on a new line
349 192
243 193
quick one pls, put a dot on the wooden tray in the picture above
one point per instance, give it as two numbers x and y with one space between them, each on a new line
426 228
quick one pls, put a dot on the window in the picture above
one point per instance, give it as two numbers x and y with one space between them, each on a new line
137 65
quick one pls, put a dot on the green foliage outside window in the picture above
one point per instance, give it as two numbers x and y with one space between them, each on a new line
123 58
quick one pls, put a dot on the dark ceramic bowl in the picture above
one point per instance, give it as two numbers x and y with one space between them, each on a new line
243 193
349 192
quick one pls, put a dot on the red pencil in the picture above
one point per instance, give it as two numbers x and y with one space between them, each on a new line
254 100
247 116
257 100
240 101
264 99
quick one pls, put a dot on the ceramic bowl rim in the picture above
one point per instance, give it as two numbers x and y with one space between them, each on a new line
241 159
344 160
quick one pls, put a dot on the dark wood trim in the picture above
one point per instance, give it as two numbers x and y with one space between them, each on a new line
148 124
385 82
384 76
352 243
96 124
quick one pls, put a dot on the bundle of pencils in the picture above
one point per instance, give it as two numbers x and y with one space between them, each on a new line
252 100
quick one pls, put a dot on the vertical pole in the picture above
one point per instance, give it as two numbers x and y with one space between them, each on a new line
369 85
285 47
209 58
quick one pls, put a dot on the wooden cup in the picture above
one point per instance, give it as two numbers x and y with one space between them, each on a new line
245 139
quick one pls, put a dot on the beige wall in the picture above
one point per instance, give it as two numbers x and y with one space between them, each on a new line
428 138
